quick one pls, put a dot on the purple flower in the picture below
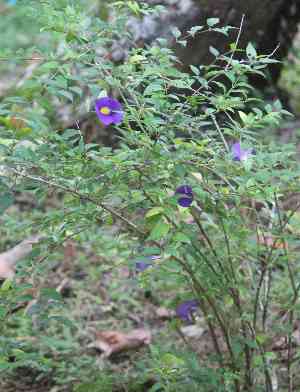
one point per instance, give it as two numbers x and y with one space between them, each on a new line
239 154
109 111
185 195
186 309
141 266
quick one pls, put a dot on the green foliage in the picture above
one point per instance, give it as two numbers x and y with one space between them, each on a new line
234 248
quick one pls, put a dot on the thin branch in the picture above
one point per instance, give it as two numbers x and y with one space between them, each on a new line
220 133
285 249
290 354
296 294
208 241
227 243
262 276
210 265
274 51
83 197
268 282
236 43
268 379
202 293
22 59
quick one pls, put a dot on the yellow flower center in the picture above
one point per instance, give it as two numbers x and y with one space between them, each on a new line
105 110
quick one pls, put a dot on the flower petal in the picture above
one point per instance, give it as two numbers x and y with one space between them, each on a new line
185 310
185 201
105 119
184 189
236 151
115 116
240 154
141 266
185 195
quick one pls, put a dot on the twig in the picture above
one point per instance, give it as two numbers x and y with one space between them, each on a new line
203 294
220 133
22 59
268 379
208 241
274 51
236 43
83 197
285 249
296 294
290 356
268 282
227 243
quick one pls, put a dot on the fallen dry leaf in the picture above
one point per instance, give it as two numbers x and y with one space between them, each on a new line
272 242
6 270
192 331
70 250
111 342
9 258
164 313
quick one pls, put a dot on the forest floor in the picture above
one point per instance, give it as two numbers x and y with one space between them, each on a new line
99 295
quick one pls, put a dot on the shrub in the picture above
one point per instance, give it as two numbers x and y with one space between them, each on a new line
191 181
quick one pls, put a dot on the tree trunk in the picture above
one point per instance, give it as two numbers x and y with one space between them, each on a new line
267 23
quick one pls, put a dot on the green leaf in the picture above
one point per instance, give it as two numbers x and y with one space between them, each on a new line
243 117
251 51
159 231
134 7
50 293
214 51
181 237
153 87
6 285
154 211
105 384
195 70
212 21
176 32
76 90
48 66
3 312
6 200
182 43
151 250
195 29
65 94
